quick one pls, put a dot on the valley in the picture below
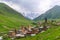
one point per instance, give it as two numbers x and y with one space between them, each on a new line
13 25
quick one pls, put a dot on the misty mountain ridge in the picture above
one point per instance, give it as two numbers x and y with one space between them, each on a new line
53 13
33 16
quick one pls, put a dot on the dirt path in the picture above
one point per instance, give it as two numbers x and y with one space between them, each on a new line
5 27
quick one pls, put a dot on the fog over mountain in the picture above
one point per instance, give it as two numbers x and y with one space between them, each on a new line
31 8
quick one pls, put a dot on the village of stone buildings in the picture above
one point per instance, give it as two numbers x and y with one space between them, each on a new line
27 31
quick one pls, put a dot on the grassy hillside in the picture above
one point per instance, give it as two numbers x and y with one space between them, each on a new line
53 13
10 18
53 33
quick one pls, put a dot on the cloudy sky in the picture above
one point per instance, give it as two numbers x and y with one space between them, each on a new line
31 8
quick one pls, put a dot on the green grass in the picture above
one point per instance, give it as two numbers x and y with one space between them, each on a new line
53 33
10 18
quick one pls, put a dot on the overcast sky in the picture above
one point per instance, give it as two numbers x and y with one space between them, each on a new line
29 7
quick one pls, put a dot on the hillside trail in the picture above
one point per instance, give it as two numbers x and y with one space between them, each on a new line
5 27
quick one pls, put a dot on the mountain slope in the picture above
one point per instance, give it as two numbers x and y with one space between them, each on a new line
10 18
53 13
51 34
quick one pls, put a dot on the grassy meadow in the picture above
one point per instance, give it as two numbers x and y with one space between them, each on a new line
53 33
10 19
